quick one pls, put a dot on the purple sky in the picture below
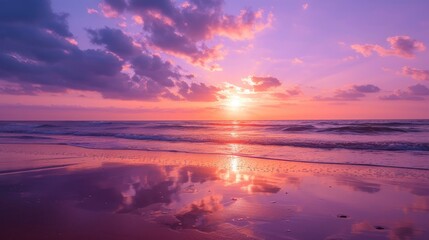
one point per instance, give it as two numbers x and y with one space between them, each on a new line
213 59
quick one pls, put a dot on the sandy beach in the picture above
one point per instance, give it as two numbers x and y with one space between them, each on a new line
64 192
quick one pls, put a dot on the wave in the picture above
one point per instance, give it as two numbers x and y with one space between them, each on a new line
255 156
380 146
298 128
367 129
26 137
175 126
351 145
47 126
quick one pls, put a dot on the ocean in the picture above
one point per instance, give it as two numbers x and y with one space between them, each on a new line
388 143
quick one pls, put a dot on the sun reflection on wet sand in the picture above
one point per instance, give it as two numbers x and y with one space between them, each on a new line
182 196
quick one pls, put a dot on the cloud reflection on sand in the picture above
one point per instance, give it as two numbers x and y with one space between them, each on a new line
220 197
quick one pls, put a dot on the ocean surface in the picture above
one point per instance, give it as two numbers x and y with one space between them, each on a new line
393 143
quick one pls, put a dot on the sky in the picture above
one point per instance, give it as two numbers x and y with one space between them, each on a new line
213 59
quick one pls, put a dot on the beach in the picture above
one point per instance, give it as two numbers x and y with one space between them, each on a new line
214 119
52 191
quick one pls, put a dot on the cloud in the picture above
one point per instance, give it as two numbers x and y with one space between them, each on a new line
154 68
305 6
114 40
400 46
164 36
184 29
117 5
91 11
288 93
297 61
368 88
417 74
38 54
262 84
198 92
353 93
416 92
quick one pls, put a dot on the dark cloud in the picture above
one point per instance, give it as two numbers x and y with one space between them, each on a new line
353 93
198 92
400 46
165 37
165 7
369 88
416 92
417 74
38 54
419 89
21 13
154 68
114 40
118 5
183 28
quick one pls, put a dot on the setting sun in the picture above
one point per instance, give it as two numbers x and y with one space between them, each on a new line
235 102
214 119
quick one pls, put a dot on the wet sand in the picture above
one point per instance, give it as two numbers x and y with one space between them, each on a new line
63 192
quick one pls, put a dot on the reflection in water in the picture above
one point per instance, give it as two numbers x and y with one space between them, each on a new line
235 197
247 182
359 185
420 204
199 213
365 227
403 231
400 231
196 174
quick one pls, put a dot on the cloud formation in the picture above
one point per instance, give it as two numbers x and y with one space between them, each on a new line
305 6
353 93
38 54
400 46
288 93
262 84
417 74
198 92
184 29
416 92
115 41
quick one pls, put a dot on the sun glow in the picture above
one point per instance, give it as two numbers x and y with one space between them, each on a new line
235 102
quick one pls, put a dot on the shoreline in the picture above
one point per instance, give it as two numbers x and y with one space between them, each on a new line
132 193
227 154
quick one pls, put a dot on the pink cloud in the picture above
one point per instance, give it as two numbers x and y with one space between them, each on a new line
400 46
353 93
262 84
297 61
72 41
243 26
305 6
417 74
108 11
288 93
91 11
416 92
183 29
138 19
294 91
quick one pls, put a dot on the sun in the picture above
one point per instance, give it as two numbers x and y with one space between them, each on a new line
235 102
